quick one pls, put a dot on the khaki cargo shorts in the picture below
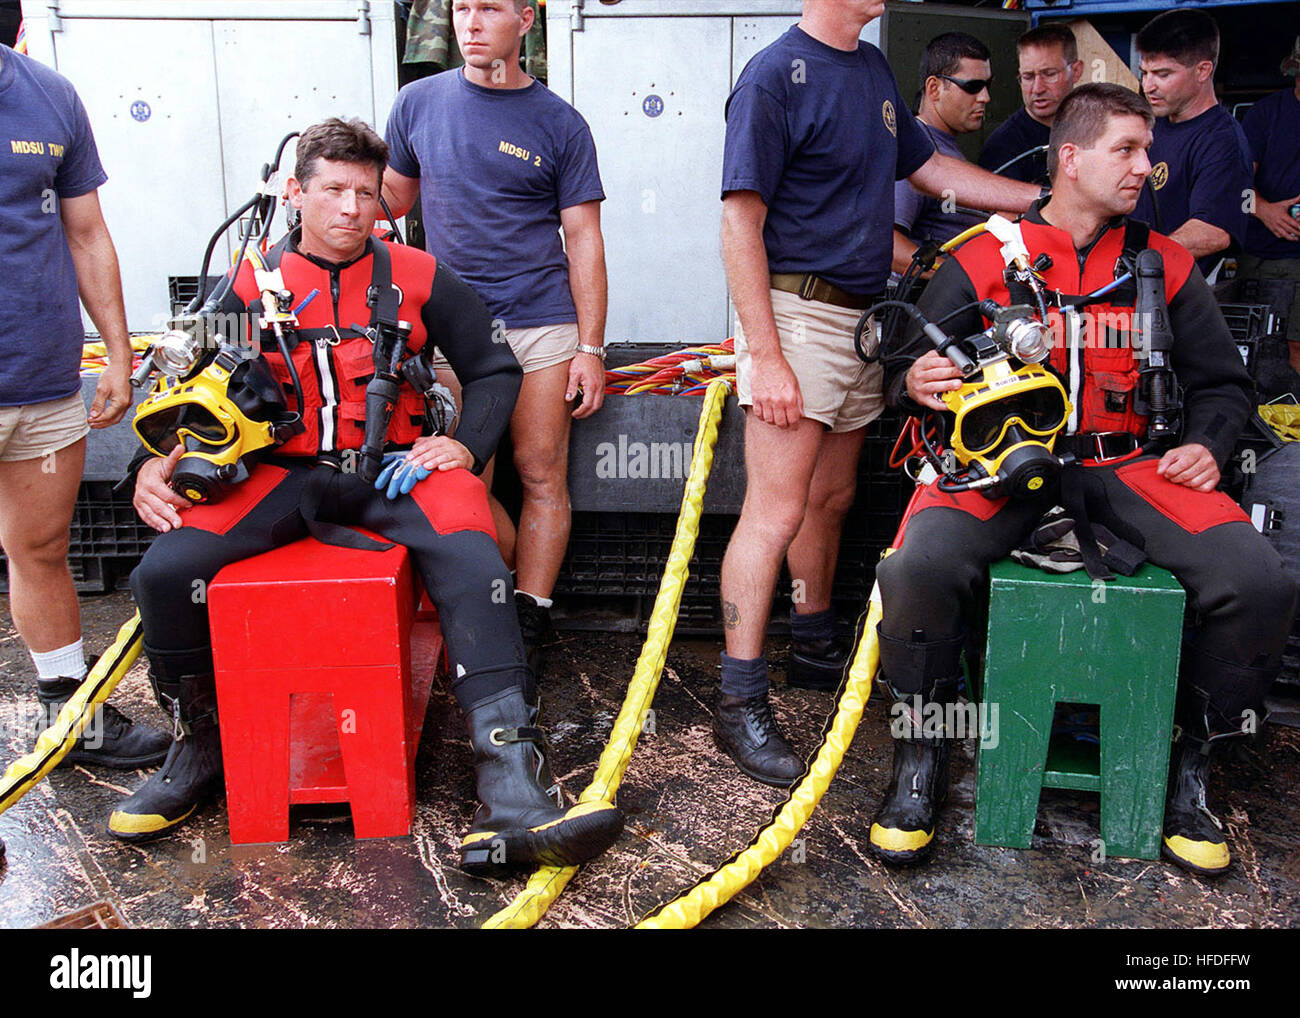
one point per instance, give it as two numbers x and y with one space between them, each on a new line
817 340
38 429
535 348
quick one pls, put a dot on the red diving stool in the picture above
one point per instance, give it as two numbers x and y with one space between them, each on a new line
323 669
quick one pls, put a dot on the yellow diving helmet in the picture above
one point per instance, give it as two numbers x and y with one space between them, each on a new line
233 407
1007 420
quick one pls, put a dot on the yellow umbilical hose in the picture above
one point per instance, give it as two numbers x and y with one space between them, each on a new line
546 884
733 877
962 237
57 741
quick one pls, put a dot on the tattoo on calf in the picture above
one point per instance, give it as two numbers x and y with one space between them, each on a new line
730 615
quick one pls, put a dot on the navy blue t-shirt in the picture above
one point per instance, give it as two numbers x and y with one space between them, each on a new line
1017 134
822 134
1200 169
496 167
1272 129
922 217
47 153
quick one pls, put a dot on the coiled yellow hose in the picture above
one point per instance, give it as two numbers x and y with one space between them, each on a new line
56 742
733 877
546 884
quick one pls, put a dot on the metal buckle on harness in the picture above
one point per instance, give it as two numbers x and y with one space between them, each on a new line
1108 445
808 287
326 341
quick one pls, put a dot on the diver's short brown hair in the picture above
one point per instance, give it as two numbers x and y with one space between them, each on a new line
1051 34
1085 112
341 141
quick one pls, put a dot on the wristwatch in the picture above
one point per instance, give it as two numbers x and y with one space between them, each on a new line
595 351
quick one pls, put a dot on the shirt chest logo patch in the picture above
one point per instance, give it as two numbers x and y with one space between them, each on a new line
891 121
35 148
1159 175
519 152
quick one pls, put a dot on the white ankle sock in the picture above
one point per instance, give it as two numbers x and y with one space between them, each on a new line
65 663
541 602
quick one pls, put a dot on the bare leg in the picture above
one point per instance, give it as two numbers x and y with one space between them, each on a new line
539 429
505 526
779 466
815 547
37 497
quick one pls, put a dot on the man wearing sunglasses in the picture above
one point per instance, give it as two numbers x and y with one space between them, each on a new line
955 78
1049 66
1159 497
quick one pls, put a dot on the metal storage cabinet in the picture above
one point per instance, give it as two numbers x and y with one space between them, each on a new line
189 99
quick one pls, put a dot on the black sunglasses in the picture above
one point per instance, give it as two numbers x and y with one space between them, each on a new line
971 86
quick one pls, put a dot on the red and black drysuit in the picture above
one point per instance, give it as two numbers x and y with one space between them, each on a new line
445 521
1240 593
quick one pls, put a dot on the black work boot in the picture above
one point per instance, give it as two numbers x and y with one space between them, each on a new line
1194 837
192 771
516 824
1218 700
536 630
110 739
747 731
818 664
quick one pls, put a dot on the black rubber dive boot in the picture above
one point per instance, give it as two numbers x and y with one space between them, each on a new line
1194 837
818 664
748 733
533 700
536 629
902 831
1218 700
110 739
190 774
516 824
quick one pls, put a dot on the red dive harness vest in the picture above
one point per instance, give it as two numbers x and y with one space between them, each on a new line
334 361
1105 395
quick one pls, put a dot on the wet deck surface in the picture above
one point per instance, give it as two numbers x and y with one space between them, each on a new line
687 809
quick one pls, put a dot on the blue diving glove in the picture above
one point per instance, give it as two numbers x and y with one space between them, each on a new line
398 476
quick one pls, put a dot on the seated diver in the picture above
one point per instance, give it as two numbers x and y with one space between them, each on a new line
428 497
1159 496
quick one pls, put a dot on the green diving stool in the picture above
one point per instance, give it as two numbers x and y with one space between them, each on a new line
1061 638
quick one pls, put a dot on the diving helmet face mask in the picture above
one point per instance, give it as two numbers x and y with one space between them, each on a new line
229 409
1007 420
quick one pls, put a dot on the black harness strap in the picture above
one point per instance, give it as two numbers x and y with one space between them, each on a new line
385 302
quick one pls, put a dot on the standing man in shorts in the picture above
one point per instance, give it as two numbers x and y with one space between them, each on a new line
53 245
817 133
501 165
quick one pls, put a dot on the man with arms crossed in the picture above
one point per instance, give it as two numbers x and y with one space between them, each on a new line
501 164
817 133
